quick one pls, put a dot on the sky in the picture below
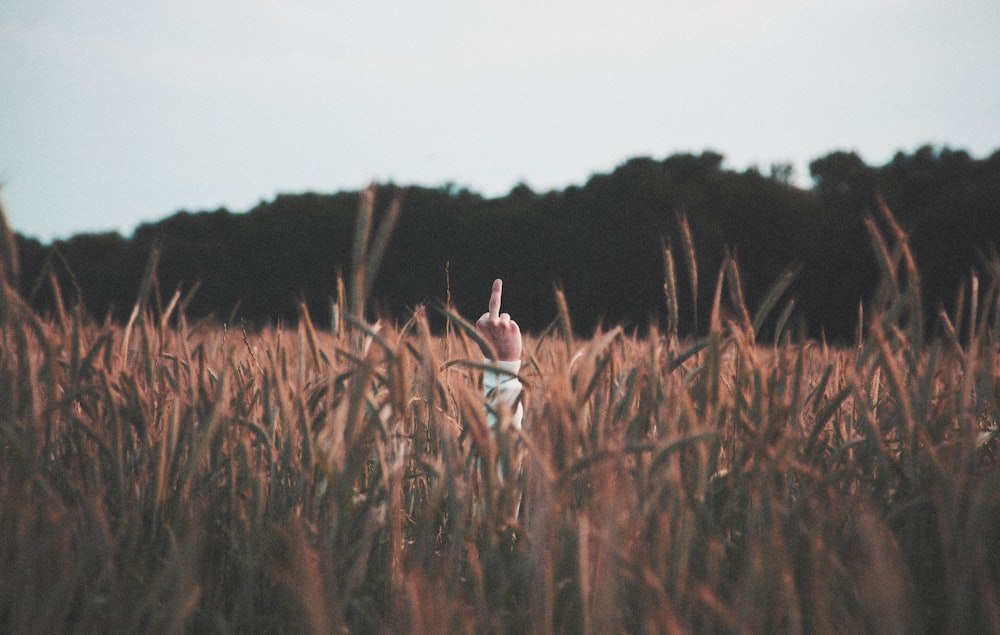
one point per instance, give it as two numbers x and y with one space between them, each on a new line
119 112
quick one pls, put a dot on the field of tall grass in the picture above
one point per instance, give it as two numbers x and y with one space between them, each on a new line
170 476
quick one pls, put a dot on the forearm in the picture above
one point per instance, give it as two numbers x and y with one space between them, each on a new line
503 391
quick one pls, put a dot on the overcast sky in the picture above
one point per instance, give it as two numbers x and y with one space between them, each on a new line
116 112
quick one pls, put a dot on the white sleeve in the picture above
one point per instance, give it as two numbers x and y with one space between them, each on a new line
503 391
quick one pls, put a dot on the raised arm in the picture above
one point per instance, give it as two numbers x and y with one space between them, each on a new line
503 388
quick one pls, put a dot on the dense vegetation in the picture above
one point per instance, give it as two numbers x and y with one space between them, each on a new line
164 475
601 243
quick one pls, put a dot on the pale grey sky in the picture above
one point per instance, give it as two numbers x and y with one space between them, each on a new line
115 112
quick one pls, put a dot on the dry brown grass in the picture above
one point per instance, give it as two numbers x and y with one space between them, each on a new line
171 477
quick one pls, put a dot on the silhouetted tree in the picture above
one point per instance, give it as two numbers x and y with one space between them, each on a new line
600 242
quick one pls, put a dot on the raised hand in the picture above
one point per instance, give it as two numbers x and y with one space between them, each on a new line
499 330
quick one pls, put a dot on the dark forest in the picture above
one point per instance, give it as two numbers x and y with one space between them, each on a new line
602 243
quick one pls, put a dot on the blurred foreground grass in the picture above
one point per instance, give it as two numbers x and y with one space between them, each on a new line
175 477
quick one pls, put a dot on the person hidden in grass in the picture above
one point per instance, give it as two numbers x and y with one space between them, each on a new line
503 395
500 382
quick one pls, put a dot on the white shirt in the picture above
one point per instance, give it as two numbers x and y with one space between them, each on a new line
503 391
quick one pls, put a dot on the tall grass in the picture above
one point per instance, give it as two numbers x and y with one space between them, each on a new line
171 476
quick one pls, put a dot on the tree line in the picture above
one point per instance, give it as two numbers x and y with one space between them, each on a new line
601 243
